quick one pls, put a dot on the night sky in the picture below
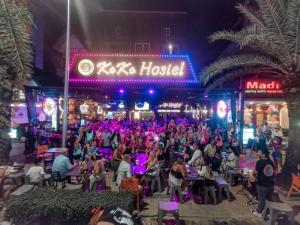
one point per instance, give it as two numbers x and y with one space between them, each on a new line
204 18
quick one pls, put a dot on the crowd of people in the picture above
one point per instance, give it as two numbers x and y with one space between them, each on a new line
177 142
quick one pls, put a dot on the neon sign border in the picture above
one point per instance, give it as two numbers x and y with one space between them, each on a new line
75 55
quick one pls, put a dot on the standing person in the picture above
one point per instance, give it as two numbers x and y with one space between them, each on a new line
177 173
264 173
77 151
105 136
115 139
71 139
30 141
115 161
89 134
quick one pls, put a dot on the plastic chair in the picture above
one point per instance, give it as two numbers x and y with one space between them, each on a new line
132 185
165 208
295 185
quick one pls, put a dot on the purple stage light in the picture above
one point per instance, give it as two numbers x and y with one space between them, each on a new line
122 91
206 96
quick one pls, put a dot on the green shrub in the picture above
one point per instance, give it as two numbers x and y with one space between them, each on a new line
63 206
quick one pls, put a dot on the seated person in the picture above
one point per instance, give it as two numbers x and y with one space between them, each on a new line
230 161
205 171
98 173
124 170
62 164
5 188
211 148
37 172
196 155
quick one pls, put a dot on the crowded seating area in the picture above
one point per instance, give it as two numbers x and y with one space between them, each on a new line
186 160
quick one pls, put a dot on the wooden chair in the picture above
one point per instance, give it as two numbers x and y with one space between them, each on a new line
295 185
132 185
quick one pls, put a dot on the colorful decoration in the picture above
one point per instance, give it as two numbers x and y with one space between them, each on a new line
86 67
84 108
131 68
49 106
222 109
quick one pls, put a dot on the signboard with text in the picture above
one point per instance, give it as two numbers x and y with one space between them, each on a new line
263 87
95 68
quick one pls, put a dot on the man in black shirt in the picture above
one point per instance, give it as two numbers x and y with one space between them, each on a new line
264 172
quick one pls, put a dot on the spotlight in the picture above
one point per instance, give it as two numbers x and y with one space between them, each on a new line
121 90
206 96
151 91
121 105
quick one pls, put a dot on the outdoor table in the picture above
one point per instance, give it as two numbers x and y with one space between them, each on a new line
56 150
191 173
105 152
138 166
75 172
16 176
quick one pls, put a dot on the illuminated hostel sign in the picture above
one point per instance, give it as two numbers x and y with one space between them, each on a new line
263 87
93 68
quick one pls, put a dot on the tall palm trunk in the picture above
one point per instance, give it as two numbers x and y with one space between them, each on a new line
5 113
293 151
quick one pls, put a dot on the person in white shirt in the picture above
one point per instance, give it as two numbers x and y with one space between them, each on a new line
197 155
231 161
205 171
37 172
124 169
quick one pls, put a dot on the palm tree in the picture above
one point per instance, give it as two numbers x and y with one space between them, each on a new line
15 61
269 42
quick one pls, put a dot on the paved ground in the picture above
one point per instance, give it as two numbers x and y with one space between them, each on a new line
235 212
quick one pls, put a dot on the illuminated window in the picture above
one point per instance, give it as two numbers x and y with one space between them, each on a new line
166 31
142 48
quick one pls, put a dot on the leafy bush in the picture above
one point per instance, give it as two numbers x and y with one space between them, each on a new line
63 206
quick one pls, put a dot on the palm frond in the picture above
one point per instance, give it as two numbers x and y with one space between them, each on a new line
239 61
15 44
273 13
293 24
251 14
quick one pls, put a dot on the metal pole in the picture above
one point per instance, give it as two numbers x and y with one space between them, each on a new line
66 86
